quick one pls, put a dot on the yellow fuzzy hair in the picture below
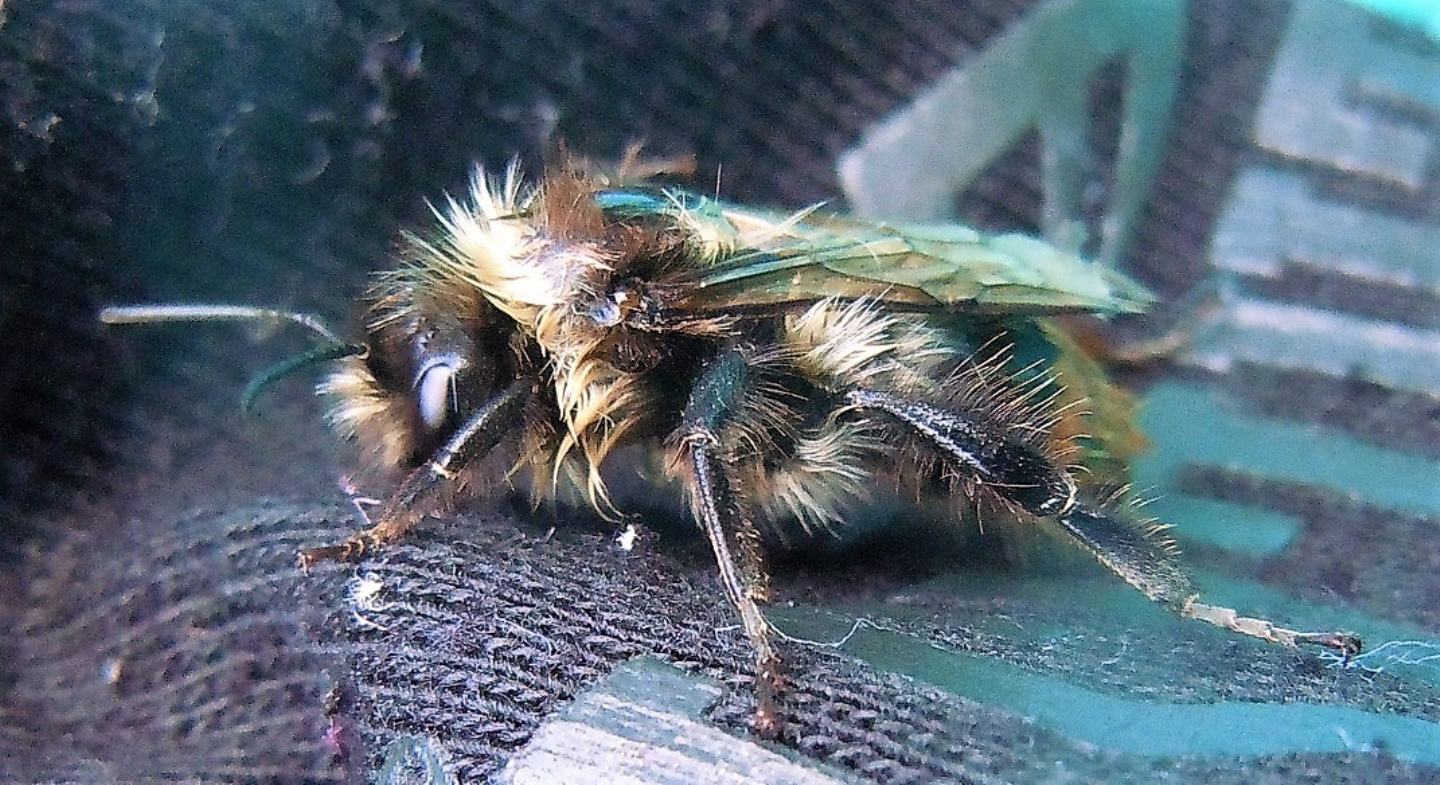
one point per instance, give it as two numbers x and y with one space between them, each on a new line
362 410
490 244
825 476
848 344
511 244
714 231
600 406
858 344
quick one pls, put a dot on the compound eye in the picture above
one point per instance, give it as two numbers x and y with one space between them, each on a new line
435 394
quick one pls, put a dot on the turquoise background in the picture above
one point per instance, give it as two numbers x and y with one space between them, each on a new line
1421 14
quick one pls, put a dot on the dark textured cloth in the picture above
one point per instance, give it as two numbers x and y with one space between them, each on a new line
202 653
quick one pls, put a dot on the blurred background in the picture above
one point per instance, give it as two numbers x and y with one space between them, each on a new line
1271 169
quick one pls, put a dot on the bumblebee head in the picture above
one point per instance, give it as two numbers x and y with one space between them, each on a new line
428 364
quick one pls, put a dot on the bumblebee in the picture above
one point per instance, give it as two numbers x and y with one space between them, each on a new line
778 369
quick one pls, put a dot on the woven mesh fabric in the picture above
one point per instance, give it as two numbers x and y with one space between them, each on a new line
190 656
484 626
268 153
210 658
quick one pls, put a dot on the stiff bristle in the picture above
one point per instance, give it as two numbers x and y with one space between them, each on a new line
1026 402
599 406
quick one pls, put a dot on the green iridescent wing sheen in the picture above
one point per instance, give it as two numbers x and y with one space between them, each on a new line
785 259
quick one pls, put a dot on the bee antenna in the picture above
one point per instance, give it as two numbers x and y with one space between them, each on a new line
289 365
151 314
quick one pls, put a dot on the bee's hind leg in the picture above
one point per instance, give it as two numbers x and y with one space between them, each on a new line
424 486
1147 562
718 509
1135 551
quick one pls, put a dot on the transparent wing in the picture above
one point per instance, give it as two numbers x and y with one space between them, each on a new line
760 258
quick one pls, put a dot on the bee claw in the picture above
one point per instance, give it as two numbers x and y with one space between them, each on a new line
1347 644
767 722
349 550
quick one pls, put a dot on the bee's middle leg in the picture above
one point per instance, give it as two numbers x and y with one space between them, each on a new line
424 486
718 507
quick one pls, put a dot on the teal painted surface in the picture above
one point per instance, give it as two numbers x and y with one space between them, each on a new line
414 759
1053 592
1190 424
1232 527
1125 724
1423 15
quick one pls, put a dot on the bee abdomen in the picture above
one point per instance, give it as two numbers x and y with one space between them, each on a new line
1015 469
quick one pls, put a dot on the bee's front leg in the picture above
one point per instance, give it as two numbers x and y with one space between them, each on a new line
715 401
424 486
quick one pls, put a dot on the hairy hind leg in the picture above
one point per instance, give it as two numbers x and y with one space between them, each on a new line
1023 476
